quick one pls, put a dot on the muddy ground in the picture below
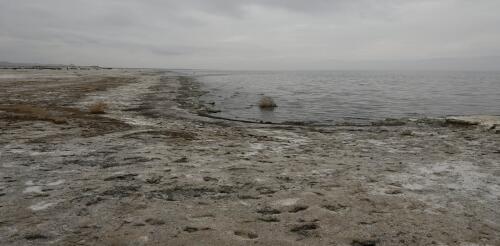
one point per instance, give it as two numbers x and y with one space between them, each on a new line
150 172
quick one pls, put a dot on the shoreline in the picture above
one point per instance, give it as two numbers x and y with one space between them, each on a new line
151 171
237 102
192 89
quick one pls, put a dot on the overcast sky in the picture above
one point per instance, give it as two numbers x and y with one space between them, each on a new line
258 34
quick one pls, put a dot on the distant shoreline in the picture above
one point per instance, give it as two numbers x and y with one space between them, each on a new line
52 67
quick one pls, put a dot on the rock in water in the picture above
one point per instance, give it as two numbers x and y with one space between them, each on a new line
267 103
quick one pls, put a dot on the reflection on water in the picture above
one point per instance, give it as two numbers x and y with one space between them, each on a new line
336 96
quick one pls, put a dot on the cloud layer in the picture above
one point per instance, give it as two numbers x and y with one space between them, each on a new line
258 34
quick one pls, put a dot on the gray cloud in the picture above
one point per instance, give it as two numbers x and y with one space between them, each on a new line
258 34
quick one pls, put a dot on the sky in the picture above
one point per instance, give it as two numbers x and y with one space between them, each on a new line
252 34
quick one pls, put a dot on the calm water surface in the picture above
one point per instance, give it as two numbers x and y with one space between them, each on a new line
339 96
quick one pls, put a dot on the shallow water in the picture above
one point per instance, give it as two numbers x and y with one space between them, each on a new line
339 96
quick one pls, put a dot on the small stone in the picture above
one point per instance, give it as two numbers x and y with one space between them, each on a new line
155 179
407 132
393 191
124 177
268 210
364 242
94 200
304 229
190 229
246 234
208 179
248 197
269 219
212 110
181 160
334 207
35 236
298 209
153 221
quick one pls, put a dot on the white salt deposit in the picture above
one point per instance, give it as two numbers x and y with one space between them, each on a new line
41 206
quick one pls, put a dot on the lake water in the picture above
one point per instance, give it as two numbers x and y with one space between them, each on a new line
353 96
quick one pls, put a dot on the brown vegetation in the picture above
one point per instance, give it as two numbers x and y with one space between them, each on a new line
267 103
29 112
98 108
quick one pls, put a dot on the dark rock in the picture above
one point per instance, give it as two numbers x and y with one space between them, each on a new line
246 234
269 219
298 209
268 210
248 197
35 236
304 229
191 229
226 189
94 200
407 133
334 207
122 177
212 110
393 191
153 221
364 242
208 179
155 179
181 160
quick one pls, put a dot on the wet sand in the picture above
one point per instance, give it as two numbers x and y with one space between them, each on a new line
152 171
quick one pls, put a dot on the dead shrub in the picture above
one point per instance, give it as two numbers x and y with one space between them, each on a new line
98 108
267 103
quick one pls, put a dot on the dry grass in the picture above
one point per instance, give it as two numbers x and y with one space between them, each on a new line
267 103
91 124
98 108
29 112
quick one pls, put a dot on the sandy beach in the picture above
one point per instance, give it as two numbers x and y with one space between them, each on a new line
151 170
